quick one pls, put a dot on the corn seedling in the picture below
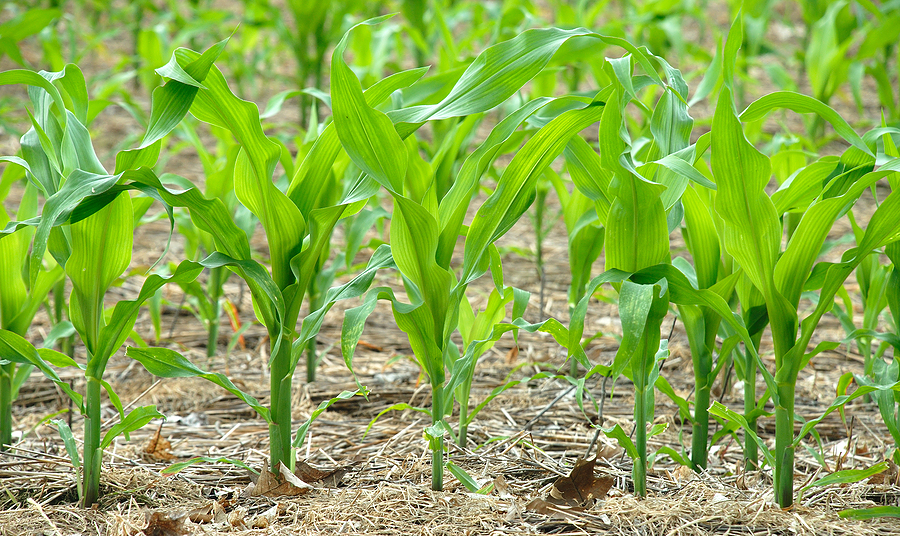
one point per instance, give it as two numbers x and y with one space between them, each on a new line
94 243
753 236
19 301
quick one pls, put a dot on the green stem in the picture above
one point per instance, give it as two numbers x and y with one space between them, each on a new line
280 403
437 444
312 360
700 436
639 471
751 450
464 417
214 291
7 373
784 445
92 452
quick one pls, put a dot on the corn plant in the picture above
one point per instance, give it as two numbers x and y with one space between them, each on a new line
95 248
753 237
424 229
19 301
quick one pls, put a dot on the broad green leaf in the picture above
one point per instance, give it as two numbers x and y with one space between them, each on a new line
171 102
722 412
367 135
308 182
101 252
515 189
455 203
135 420
501 70
124 315
849 476
617 433
254 169
15 348
167 363
634 307
871 513
800 103
414 241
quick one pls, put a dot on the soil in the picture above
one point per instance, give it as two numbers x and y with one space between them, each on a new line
521 443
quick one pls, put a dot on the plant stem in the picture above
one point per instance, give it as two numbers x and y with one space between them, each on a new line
92 452
311 360
437 444
214 291
280 404
643 364
66 345
784 445
464 417
700 436
7 373
751 450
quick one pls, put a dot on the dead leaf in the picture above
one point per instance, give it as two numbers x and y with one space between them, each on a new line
165 524
158 448
682 473
326 478
265 519
556 511
271 485
581 488
515 511
512 355
609 451
214 512
502 487
237 518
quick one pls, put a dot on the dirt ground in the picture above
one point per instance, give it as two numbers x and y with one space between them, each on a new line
522 443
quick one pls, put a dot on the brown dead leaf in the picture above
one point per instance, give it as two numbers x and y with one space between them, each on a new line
213 512
556 511
512 355
158 448
165 524
265 519
609 451
271 485
581 488
502 487
326 478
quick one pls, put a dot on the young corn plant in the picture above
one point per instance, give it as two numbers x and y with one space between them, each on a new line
753 236
297 225
19 301
424 229
638 214
91 240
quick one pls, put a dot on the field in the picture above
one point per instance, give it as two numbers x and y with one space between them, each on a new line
449 267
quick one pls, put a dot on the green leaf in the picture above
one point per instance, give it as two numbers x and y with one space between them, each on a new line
848 476
871 513
515 189
167 363
617 433
15 348
800 103
463 477
181 466
135 420
367 135
300 437
721 411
